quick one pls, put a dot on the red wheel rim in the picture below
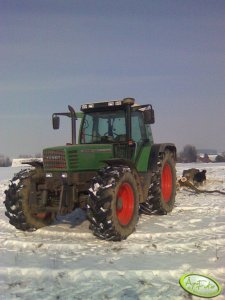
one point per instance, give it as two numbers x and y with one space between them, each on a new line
167 182
125 204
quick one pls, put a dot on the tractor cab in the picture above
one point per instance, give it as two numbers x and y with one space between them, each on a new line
120 122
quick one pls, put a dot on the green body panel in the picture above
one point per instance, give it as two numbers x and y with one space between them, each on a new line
79 115
143 158
87 157
91 157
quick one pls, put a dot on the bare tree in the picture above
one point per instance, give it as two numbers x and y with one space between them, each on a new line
189 154
5 161
220 158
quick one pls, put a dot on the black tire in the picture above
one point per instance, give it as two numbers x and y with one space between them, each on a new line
113 205
162 191
17 201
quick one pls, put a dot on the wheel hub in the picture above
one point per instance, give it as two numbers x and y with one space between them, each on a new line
125 204
167 182
119 203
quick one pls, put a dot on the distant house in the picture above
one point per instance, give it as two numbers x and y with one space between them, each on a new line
206 155
207 151
207 158
204 158
213 157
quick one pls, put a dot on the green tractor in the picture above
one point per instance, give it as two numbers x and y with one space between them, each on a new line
114 172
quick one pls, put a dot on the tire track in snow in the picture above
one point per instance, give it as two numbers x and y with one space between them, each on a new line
107 284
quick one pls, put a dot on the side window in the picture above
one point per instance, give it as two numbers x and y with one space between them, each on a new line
149 131
138 128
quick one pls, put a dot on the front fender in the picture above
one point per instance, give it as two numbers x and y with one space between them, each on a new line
120 161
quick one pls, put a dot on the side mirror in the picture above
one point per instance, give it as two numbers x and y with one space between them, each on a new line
55 122
149 116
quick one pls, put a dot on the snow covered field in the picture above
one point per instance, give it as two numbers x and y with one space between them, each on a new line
65 261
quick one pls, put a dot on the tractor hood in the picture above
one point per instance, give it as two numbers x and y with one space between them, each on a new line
76 158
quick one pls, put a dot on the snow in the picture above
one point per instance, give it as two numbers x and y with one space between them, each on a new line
65 261
20 162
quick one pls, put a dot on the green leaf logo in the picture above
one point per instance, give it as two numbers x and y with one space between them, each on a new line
200 285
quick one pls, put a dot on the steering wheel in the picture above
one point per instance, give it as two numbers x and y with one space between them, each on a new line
114 133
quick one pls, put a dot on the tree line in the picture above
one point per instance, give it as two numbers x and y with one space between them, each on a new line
189 154
5 161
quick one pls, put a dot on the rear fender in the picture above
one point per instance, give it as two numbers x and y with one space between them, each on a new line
156 150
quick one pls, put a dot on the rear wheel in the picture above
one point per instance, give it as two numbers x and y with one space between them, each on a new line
162 191
17 201
113 203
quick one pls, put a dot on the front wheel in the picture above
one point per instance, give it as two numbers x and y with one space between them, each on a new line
113 205
17 201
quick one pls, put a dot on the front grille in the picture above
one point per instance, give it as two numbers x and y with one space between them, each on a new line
120 150
123 150
54 159
73 159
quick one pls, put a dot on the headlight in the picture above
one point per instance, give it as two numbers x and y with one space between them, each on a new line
48 175
111 103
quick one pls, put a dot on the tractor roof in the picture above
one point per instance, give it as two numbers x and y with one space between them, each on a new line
112 105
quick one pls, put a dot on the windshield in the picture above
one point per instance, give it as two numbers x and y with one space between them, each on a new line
103 127
110 127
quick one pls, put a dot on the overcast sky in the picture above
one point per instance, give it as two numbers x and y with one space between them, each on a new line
167 53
